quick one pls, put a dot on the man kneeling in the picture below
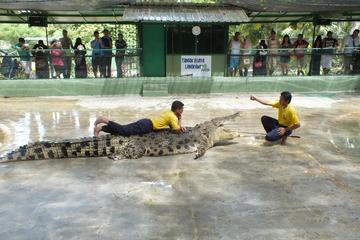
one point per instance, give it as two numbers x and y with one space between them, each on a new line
169 118
288 119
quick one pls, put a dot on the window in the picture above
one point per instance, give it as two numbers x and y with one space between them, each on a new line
212 40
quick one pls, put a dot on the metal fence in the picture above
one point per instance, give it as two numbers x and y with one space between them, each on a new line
66 63
255 62
309 61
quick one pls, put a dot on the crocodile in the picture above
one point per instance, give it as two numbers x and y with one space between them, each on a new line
197 139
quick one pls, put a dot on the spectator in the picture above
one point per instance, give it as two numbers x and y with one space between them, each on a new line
66 44
96 54
273 44
57 58
106 53
234 51
351 43
329 47
285 55
245 56
316 56
41 54
259 63
120 54
25 57
80 59
300 44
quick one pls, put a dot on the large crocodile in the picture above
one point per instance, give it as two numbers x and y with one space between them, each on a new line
197 139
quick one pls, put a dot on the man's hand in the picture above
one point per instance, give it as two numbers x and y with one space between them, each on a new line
262 101
282 131
182 129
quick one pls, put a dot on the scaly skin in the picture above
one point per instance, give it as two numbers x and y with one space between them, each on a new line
197 139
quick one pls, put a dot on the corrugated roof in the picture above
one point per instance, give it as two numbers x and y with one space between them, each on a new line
111 11
249 5
184 14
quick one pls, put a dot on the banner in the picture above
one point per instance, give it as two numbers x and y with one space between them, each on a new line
196 66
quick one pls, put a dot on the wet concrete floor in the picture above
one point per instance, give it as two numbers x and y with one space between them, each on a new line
308 189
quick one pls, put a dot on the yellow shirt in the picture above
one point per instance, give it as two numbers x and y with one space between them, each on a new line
286 116
166 119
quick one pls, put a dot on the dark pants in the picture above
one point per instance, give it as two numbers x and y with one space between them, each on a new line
106 66
139 127
96 65
68 63
271 126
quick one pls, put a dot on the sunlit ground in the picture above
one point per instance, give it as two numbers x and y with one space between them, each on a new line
308 189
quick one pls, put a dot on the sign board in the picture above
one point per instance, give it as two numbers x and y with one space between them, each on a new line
196 66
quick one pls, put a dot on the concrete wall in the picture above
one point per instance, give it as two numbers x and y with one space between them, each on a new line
175 85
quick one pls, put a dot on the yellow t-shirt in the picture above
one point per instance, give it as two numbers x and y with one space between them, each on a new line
166 119
286 116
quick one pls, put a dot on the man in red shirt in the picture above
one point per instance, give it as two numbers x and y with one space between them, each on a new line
300 44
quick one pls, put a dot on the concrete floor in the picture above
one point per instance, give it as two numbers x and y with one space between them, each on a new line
309 189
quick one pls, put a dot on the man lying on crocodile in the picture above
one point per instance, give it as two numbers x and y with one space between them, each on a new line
169 118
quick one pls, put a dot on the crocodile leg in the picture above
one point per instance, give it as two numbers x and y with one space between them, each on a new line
204 145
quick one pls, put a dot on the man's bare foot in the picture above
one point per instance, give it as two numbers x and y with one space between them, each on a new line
101 119
97 131
283 141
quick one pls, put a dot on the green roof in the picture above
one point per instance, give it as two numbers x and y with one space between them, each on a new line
112 11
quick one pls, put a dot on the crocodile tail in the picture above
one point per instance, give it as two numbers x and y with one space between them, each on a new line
84 147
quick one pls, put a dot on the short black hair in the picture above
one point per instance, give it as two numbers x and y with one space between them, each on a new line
96 32
357 30
21 39
286 96
176 105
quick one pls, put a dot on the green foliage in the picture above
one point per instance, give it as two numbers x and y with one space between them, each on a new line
11 32
258 31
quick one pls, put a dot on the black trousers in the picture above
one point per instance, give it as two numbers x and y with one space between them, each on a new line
271 126
96 65
106 66
139 127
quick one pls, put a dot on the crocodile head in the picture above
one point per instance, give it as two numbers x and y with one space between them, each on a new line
223 134
215 131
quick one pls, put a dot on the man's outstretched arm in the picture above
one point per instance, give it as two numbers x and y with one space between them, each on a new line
262 101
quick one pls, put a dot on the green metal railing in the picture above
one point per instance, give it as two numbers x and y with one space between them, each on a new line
42 62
